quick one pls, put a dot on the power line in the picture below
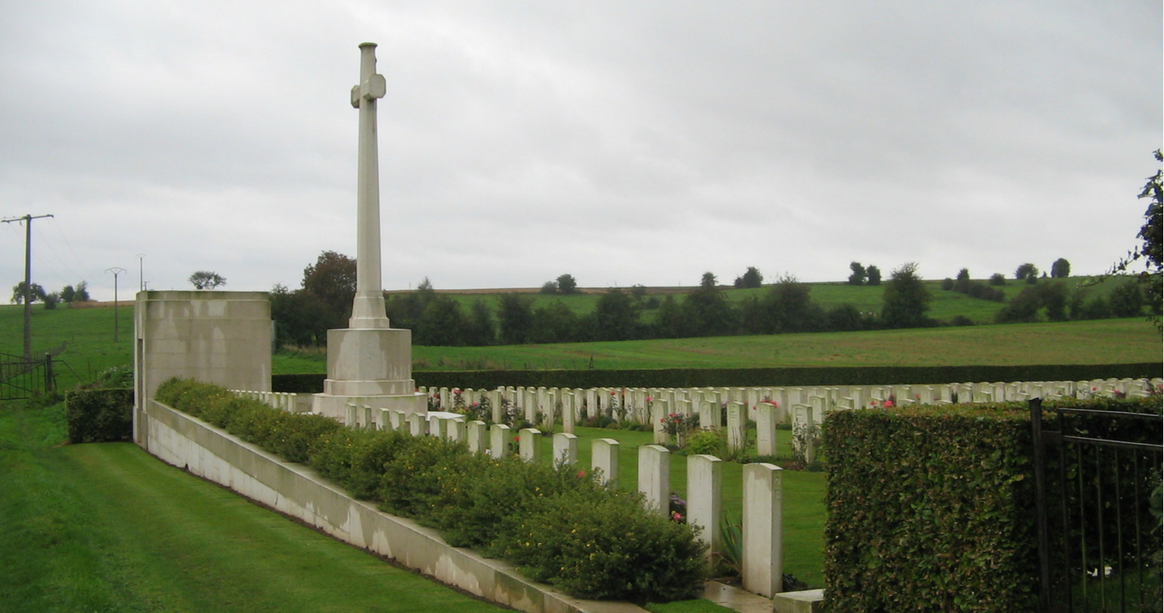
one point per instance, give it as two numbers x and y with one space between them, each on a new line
27 219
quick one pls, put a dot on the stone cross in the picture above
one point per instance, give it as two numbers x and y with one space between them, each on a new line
368 307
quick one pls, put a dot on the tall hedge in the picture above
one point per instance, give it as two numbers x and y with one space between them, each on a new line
744 377
99 416
932 508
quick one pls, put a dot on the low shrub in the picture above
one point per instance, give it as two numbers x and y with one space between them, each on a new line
596 542
99 416
708 442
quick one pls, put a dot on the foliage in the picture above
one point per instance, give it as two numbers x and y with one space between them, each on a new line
1026 271
951 526
874 275
332 281
997 279
679 426
206 279
1150 250
706 442
99 415
859 273
1060 269
556 525
35 292
616 317
750 279
567 284
550 287
906 299
515 318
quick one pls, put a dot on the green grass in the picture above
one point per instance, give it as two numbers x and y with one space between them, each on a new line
804 494
1109 341
87 334
108 528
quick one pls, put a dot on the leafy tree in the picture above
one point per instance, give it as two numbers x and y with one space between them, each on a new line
669 320
1023 308
706 311
906 300
998 279
1026 272
962 284
1127 300
845 318
482 330
300 318
206 279
549 287
332 279
442 324
859 274
50 300
750 279
874 275
36 292
1150 250
616 318
554 323
567 284
515 318
67 292
1060 269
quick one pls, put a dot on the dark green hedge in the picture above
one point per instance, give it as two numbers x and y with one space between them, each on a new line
606 547
99 416
932 508
746 377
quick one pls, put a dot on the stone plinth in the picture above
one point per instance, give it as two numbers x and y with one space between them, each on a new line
369 367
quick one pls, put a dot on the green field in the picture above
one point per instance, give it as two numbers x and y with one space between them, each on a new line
107 527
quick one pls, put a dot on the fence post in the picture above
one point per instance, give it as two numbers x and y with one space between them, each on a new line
48 373
1036 408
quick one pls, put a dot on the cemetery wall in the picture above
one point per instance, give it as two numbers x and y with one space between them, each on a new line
299 492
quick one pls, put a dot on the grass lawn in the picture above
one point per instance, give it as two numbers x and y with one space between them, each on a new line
804 494
108 528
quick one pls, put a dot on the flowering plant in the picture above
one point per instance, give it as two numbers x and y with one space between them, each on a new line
679 426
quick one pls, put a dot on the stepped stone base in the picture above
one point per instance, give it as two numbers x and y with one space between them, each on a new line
368 368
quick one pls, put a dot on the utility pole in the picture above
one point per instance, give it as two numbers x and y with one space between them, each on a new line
27 219
140 278
116 270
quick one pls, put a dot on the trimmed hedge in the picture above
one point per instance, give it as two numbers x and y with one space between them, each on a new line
588 540
746 377
932 508
99 416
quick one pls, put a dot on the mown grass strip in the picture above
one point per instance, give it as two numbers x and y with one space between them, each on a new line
108 528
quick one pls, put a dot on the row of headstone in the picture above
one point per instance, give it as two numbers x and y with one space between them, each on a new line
652 405
762 485
762 529
280 400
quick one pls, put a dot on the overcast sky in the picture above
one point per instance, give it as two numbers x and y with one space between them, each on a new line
620 142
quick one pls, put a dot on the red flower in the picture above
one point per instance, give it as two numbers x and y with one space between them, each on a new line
581 473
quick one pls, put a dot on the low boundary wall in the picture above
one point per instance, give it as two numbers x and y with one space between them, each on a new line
211 453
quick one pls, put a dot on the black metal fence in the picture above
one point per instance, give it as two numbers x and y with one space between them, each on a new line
1097 481
21 378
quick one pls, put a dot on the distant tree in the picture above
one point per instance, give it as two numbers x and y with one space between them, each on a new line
669 320
36 292
554 323
1023 308
706 311
442 324
1027 272
51 300
874 275
844 318
332 279
67 292
616 317
947 284
859 274
1054 297
567 284
998 279
81 292
1060 269
300 318
206 279
515 318
549 287
750 279
962 284
1127 300
906 300
482 330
